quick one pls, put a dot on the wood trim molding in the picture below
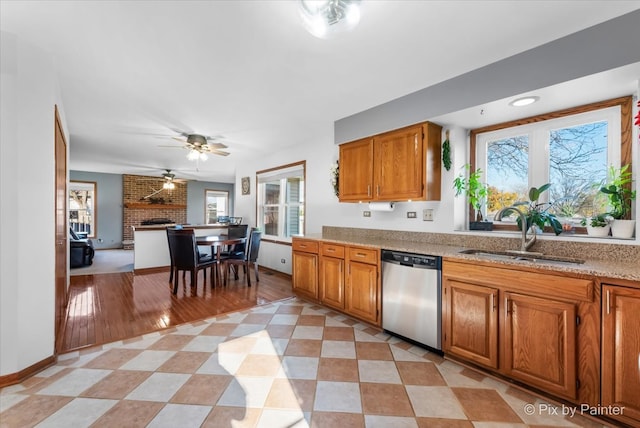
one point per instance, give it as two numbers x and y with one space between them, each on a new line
14 378
626 111
154 206
273 241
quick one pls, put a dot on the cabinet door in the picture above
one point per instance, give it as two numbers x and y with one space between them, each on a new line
356 171
471 322
399 165
305 274
362 296
332 282
540 343
621 350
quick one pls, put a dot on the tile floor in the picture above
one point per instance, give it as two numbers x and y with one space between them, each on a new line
286 364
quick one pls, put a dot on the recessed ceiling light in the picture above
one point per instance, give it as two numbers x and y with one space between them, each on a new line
525 101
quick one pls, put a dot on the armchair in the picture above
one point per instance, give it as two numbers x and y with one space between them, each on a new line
81 250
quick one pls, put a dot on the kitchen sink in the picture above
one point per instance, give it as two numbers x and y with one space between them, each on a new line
521 255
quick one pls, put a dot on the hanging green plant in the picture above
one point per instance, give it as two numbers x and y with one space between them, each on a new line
446 152
335 178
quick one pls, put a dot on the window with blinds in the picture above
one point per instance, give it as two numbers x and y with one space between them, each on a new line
281 200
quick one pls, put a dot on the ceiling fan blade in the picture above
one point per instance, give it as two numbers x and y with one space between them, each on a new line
220 152
216 145
174 147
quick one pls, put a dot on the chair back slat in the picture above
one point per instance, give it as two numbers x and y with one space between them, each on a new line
254 245
183 248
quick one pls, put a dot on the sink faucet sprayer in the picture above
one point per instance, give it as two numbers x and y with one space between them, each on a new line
525 245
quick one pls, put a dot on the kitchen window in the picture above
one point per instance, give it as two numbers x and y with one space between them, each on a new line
571 149
82 202
281 200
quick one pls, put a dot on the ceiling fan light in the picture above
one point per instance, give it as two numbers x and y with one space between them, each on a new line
203 156
193 155
323 18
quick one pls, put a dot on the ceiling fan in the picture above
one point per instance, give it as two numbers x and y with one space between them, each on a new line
168 183
200 146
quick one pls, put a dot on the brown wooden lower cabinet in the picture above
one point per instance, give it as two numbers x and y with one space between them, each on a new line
537 328
343 277
304 275
331 275
540 343
471 327
621 351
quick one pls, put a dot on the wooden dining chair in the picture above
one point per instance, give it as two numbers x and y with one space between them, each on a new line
185 256
250 256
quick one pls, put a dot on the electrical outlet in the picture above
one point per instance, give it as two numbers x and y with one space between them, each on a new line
411 214
427 215
366 213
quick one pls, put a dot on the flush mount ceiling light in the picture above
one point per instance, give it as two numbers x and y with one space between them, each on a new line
323 18
524 101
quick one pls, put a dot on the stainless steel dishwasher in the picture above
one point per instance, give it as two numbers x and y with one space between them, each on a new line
412 296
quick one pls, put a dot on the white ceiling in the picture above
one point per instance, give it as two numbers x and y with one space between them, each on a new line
132 72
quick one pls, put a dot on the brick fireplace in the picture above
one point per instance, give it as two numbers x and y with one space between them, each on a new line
169 204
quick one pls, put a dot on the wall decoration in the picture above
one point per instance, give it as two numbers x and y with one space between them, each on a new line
246 185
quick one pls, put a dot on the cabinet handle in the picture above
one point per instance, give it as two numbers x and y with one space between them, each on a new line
369 190
331 250
493 305
378 190
506 305
608 302
361 255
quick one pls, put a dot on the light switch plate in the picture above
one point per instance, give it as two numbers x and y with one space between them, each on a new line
411 214
427 214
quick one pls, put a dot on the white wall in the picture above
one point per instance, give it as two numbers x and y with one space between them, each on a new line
27 223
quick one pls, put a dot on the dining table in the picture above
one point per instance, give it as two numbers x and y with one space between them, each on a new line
217 242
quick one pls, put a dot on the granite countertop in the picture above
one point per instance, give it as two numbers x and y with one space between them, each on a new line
605 269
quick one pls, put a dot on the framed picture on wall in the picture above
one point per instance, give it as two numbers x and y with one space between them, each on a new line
246 185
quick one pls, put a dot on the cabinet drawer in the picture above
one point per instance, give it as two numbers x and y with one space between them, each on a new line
364 255
332 250
305 245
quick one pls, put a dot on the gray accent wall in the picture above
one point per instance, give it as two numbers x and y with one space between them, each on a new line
108 209
195 198
611 44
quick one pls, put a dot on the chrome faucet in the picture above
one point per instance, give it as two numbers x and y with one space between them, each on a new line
526 244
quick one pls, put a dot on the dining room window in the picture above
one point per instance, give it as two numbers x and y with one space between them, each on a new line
216 205
82 203
281 200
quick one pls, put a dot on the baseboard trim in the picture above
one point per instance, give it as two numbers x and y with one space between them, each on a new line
158 269
13 378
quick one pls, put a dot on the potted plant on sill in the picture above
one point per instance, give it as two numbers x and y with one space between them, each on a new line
477 192
598 225
618 190
537 213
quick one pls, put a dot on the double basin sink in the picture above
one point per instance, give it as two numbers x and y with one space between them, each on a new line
521 255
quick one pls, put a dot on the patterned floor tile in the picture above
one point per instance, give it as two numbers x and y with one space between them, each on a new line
338 369
385 399
180 415
285 364
130 414
338 397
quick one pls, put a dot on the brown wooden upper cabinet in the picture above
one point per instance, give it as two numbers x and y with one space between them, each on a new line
398 165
